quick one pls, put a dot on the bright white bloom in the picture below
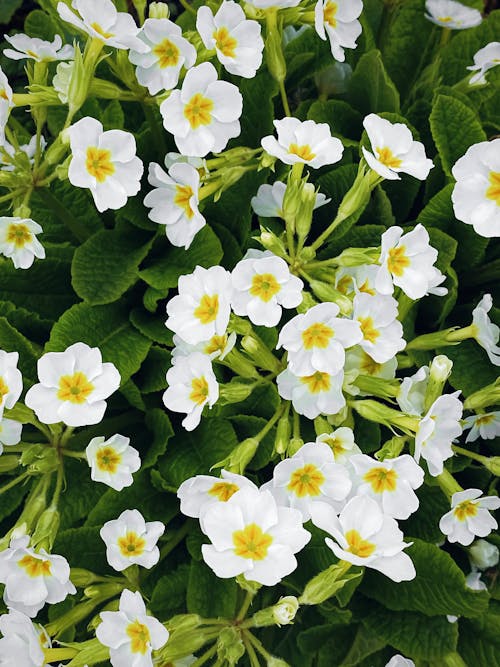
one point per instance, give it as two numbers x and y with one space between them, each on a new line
437 430
435 279
204 114
168 51
216 347
341 442
312 395
18 241
262 286
411 395
33 578
382 331
174 202
399 661
268 202
191 386
130 633
406 261
10 432
473 581
253 536
483 554
197 493
452 15
309 476
317 339
11 380
104 162
112 461
23 642
358 360
485 426
338 20
305 142
6 104
130 540
469 516
101 20
390 483
394 150
476 195
37 49
73 386
237 42
202 307
353 279
486 332
484 60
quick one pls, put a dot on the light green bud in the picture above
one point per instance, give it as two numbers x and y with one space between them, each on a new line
106 90
282 613
235 391
326 583
273 46
103 591
8 462
327 292
159 10
439 372
483 398
260 354
40 459
230 647
304 215
382 414
92 652
294 446
391 448
282 438
183 622
82 578
46 529
240 364
483 554
276 662
321 425
240 457
271 242
357 257
239 325
377 386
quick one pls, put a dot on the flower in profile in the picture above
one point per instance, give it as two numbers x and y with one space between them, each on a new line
73 386
452 15
11 380
305 142
312 395
6 103
356 359
216 347
268 202
112 461
484 60
104 162
237 41
469 516
22 642
341 442
37 49
382 331
486 333
364 535
485 425
204 114
10 432
197 493
394 150
130 540
338 20
18 241
476 195
411 394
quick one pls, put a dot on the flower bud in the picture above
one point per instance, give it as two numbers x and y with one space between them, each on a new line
276 662
492 464
274 51
357 257
159 10
82 578
46 529
282 438
271 242
235 391
240 364
303 219
239 325
282 613
483 554
391 449
240 457
439 372
329 293
8 462
294 446
483 398
321 425
326 583
382 414
260 354
103 591
230 647
40 459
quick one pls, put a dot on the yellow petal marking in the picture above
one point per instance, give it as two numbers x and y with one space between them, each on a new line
35 567
131 544
100 31
264 286
198 111
493 192
99 164
465 509
208 308
335 445
199 390
317 382
19 234
381 479
4 389
387 157
306 481
329 12
139 637
215 344
304 151
483 420
369 366
368 330
183 194
223 490
358 546
108 459
74 388
225 42
251 542
167 53
398 261
317 335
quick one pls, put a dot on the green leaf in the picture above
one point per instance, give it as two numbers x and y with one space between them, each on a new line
304 56
151 326
28 323
113 117
446 247
38 24
83 547
11 340
344 121
133 395
151 377
159 424
258 108
371 89
424 524
12 498
479 640
209 596
81 493
472 368
365 644
169 592
8 9
262 402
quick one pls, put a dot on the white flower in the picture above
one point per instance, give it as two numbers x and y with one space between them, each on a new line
28 149
435 279
484 60
309 476
437 430
18 241
476 195
262 286
216 347
399 661
486 333
483 554
473 581
168 51
411 395
469 516
406 261
73 386
131 541
339 21
130 633
33 578
104 162
191 386
23 642
199 163
204 114
101 20
11 380
452 15
312 395
365 536
390 483
202 307
112 461
353 279
10 432
62 79
279 4
485 426
174 202
382 332
237 42
394 150
268 202
6 103
316 340
197 493
38 49
253 536
341 442
358 360
304 142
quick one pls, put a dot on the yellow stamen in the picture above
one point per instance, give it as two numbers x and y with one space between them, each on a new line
358 546
265 286
335 445
108 459
74 388
139 637
465 509
167 53
198 111
3 94
387 157
306 481
368 330
317 335
251 542
223 490
444 19
35 567
131 544
99 163
397 261
329 12
317 382
493 192
303 151
18 234
183 194
381 479
199 390
208 308
225 42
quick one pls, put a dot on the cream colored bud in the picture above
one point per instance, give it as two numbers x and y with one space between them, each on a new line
159 10
483 554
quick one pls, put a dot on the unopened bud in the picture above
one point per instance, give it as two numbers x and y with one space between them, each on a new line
326 583
483 554
357 257
103 591
274 50
391 449
82 578
40 459
271 242
294 446
260 354
159 10
327 292
303 218
382 414
240 457
8 462
235 391
240 364
230 647
483 398
46 529
282 438
492 464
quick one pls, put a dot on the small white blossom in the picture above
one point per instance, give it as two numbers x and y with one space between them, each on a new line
6 103
341 442
312 395
11 380
130 540
356 359
18 241
339 22
62 79
452 15
350 280
268 202
484 60
382 331
216 347
112 461
486 332
23 642
483 554
10 432
399 661
485 426
411 394
37 49
469 516
197 493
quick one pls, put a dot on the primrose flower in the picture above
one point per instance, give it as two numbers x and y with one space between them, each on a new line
411 394
6 103
130 632
11 380
204 114
350 280
18 241
253 536
268 202
10 432
174 202
452 15
399 661
484 555
356 359
73 386
197 493
168 52
339 22
312 395
485 426
305 142
341 442
486 333
394 150
237 42
365 536
112 461
382 332
484 60
37 49
216 347
22 642
130 540
469 516
104 162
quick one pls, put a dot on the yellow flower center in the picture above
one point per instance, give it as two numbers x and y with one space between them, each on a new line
225 42
381 479
397 261
358 546
19 235
387 157
265 286
317 382
167 53
493 192
365 287
4 389
34 567
131 544
306 481
317 335
100 31
344 284
99 163
108 459
369 366
74 388
367 329
198 111
215 344
444 19
465 509
208 308
223 490
304 151
3 94
199 390
483 420
183 194
329 12
251 542
139 637
335 445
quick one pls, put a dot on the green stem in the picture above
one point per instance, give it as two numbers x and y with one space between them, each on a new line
176 538
209 653
187 7
258 645
264 431
254 660
245 606
59 486
72 454
469 454
14 482
284 99
296 425
12 194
